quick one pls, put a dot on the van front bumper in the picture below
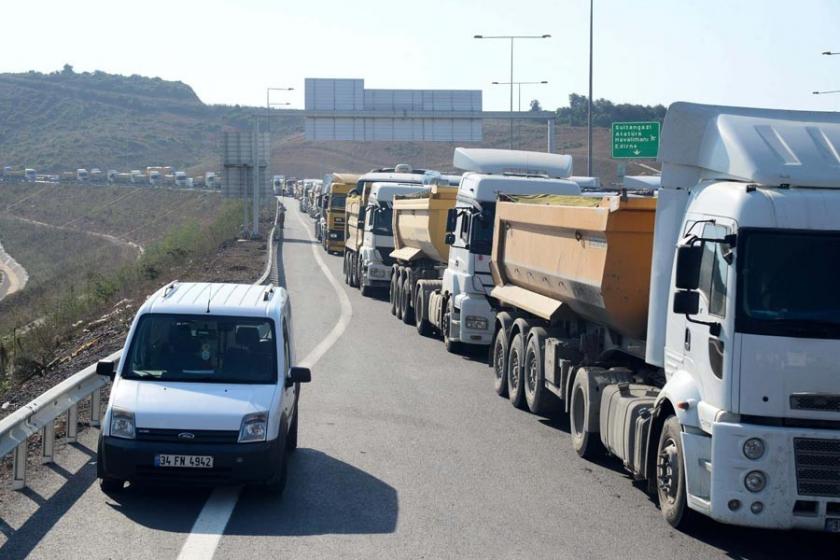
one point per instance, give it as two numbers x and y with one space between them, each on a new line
233 463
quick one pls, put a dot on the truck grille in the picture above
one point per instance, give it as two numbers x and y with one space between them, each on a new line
817 466
199 436
808 401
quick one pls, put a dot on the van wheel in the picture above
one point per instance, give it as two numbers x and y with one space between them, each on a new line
585 439
424 327
500 356
537 397
292 436
516 371
277 483
670 476
407 311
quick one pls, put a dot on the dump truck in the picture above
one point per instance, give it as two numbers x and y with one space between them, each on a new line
340 184
693 335
368 264
455 304
355 215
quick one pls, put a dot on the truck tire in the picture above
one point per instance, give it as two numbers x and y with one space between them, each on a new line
365 290
392 293
452 346
357 271
500 357
398 285
424 327
405 300
670 476
537 397
346 268
516 371
585 440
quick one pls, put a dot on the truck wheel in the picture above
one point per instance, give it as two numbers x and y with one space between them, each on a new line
346 267
424 327
670 475
357 271
398 286
516 371
452 346
365 290
392 293
585 440
538 398
407 311
500 356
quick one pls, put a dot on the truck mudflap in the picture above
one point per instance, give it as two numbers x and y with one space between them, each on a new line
625 411
801 490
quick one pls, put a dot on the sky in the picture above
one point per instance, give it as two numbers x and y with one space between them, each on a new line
763 53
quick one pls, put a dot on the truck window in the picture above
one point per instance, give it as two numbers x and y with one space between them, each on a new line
464 229
713 270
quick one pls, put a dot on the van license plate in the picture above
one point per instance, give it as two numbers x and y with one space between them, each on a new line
185 461
832 525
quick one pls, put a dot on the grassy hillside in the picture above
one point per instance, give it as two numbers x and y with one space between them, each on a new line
65 120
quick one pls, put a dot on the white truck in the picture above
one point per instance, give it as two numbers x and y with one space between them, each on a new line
695 336
82 175
181 179
457 306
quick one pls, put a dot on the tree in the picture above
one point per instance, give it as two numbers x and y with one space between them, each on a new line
535 106
67 70
605 112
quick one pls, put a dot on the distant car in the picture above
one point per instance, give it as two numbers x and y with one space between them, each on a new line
206 390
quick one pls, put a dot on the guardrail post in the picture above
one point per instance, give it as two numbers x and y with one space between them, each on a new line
95 408
72 424
48 443
19 467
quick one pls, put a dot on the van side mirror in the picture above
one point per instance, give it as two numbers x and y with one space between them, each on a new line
298 375
687 302
449 238
451 218
688 267
106 369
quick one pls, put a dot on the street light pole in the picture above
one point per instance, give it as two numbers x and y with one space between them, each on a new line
512 38
589 108
269 104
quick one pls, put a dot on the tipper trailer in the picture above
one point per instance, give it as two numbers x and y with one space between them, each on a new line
452 299
695 335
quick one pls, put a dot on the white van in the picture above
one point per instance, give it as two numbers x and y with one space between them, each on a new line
205 390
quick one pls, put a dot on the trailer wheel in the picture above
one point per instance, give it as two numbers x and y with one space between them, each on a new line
346 267
516 371
670 475
398 285
586 441
424 327
407 312
392 293
537 397
500 356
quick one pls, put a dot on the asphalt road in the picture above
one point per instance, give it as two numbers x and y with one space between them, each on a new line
405 452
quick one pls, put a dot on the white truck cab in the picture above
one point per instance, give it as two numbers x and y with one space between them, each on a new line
378 239
467 280
205 390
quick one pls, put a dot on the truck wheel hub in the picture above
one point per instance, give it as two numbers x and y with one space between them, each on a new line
667 469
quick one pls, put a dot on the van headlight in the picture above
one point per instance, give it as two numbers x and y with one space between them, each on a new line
254 427
122 424
476 322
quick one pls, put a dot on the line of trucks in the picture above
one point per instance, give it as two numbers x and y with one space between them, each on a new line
154 176
692 333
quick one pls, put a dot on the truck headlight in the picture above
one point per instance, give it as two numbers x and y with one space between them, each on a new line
122 424
376 272
755 481
754 448
475 322
254 427
333 235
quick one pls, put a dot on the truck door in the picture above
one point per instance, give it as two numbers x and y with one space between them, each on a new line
706 355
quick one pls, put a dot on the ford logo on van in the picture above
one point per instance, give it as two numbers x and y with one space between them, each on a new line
186 435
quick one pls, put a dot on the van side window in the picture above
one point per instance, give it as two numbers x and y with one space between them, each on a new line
714 269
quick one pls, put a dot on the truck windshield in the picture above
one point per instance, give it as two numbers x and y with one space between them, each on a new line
481 229
787 283
382 218
202 349
337 201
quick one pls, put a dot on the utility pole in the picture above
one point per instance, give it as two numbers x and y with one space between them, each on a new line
589 110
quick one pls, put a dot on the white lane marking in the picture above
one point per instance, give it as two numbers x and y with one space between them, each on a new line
207 531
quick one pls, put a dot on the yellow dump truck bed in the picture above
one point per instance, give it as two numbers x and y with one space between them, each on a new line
420 224
353 234
592 254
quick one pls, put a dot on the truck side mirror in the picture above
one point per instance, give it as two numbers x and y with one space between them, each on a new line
106 369
451 218
688 267
449 238
687 302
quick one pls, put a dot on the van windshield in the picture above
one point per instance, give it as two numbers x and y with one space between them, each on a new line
205 349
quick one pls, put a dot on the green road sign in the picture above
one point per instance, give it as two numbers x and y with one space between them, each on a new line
635 140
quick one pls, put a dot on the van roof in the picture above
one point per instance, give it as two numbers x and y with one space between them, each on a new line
203 298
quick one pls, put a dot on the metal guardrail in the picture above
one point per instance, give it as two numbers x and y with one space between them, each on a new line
40 415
